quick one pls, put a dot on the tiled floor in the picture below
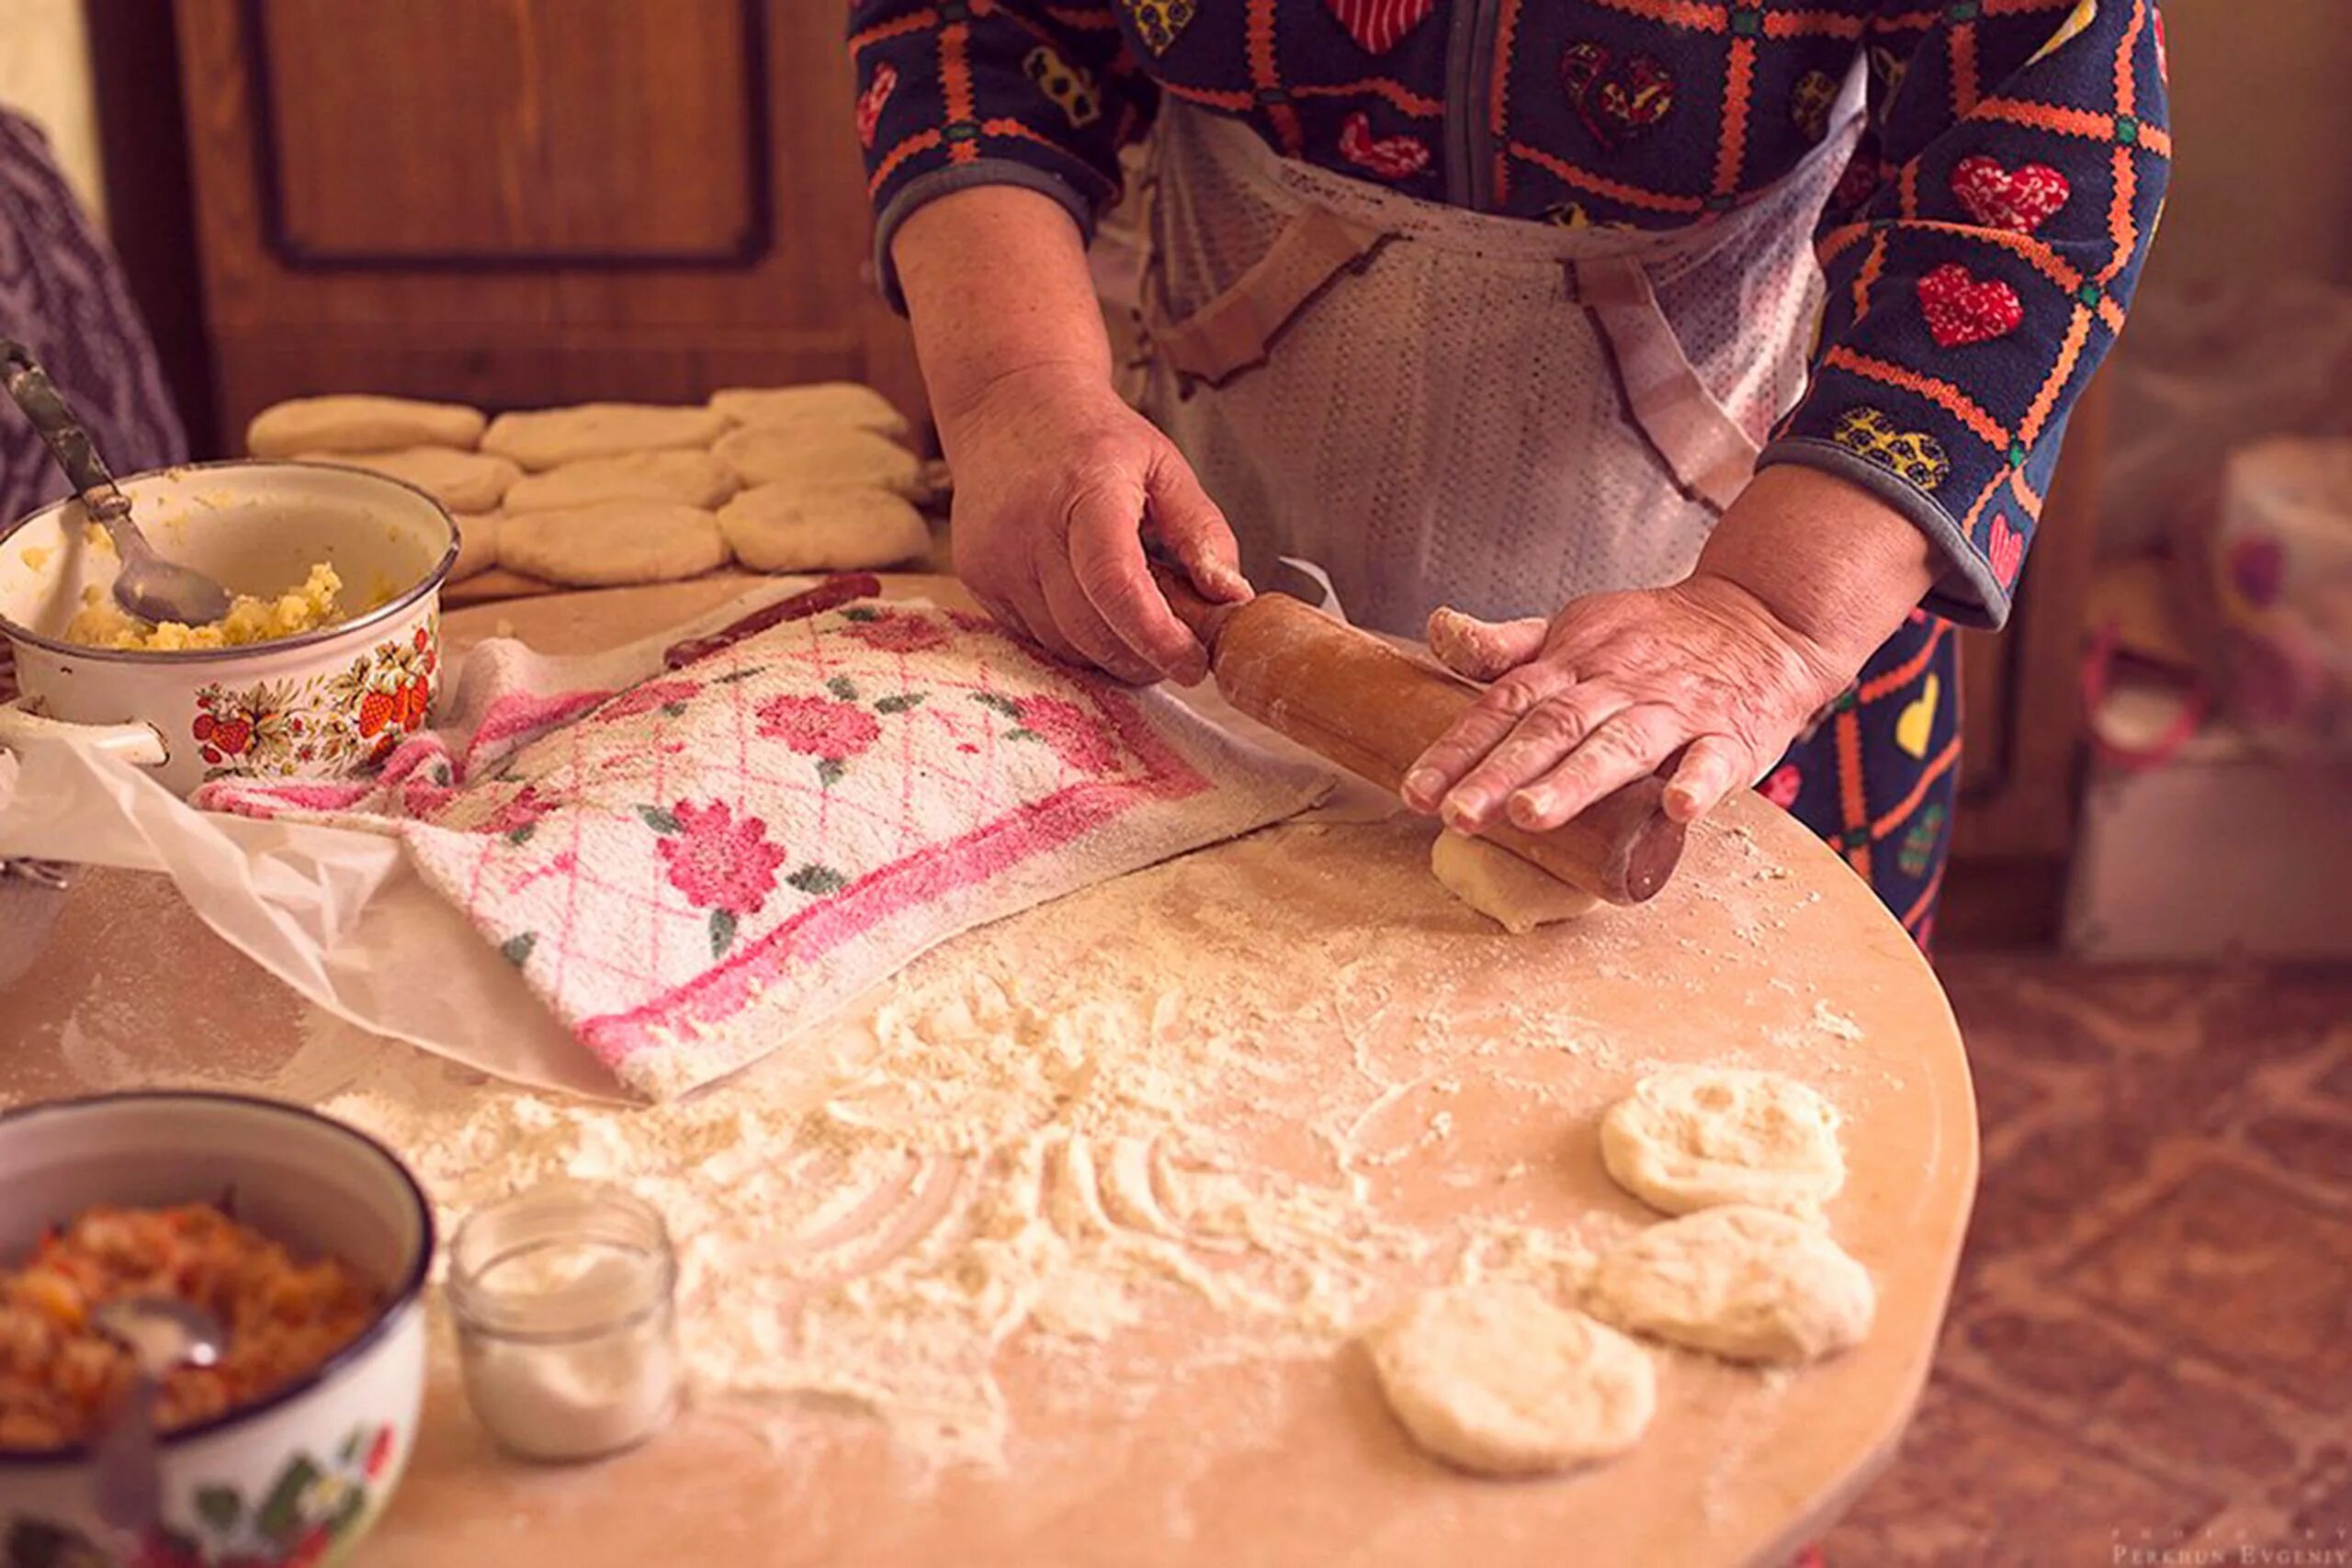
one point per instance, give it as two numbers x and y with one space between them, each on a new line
2149 1356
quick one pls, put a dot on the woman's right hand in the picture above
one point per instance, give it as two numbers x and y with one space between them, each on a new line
1057 483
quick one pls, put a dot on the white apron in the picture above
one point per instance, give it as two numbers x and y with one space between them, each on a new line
1447 407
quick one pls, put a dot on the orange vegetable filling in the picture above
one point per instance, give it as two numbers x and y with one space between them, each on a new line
61 1379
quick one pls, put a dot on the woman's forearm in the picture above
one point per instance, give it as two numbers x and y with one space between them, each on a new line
1829 558
995 283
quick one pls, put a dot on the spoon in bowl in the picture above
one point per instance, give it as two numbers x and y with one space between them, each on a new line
161 1336
147 586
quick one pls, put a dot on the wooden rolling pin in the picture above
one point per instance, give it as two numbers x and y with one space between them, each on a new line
1345 695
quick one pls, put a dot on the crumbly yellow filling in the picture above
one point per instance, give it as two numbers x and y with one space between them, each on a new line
101 622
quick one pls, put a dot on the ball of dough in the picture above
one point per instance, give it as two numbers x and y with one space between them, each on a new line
462 482
1496 1380
1506 889
351 422
477 546
1693 1137
549 438
813 456
613 543
1749 1284
790 528
687 477
822 402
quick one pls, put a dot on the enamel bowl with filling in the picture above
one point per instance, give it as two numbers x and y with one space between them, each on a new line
321 702
299 1473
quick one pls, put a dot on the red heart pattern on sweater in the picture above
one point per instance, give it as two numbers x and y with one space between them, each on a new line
1377 25
1617 99
869 103
2019 200
2006 546
1390 157
1782 786
1962 309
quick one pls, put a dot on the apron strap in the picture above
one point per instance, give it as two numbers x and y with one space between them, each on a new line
1236 331
1709 453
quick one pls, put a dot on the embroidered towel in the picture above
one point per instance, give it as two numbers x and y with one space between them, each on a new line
691 869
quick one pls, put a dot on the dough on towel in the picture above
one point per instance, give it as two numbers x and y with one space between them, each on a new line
613 543
549 438
477 546
353 422
1693 1137
789 528
1495 1378
1746 1284
462 482
814 455
1499 885
822 402
687 477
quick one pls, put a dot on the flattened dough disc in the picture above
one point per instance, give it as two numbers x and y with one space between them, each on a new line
613 543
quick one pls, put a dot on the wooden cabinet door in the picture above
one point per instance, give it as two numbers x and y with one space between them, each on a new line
529 202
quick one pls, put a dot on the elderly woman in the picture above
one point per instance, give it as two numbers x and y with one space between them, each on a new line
1714 356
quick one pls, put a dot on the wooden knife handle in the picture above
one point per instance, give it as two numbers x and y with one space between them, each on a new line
1345 695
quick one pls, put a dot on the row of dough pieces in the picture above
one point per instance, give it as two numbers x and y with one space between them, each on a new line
783 480
1499 1379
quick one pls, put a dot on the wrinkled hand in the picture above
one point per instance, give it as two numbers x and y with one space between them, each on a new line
1056 481
1701 672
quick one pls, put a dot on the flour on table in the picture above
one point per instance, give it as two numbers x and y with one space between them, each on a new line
1748 1284
1496 1380
1693 1138
1048 1138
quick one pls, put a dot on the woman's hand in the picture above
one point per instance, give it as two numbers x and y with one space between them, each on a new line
1805 575
1056 480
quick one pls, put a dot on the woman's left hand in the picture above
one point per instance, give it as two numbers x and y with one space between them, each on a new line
1805 575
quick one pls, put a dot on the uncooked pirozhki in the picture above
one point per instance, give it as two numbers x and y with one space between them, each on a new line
1693 1138
359 423
1516 895
820 402
549 438
785 527
462 482
1495 1378
687 477
816 455
613 543
477 546
1746 1283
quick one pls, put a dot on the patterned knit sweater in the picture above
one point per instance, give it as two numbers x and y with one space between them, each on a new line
1981 250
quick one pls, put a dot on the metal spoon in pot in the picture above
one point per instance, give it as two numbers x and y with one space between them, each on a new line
147 585
161 1336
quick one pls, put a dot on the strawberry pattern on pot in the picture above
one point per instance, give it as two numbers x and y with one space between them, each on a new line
323 726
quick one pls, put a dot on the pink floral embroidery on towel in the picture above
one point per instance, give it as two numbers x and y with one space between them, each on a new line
689 870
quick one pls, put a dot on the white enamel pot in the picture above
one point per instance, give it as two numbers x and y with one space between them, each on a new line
324 704
297 1476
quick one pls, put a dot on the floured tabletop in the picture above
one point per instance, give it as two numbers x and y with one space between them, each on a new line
1052 1254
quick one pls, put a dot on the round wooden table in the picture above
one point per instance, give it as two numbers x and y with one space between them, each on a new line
1765 950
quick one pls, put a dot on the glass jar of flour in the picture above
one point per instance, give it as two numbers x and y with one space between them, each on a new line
564 1302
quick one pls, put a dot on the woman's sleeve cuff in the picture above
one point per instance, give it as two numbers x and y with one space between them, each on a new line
1965 592
930 186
